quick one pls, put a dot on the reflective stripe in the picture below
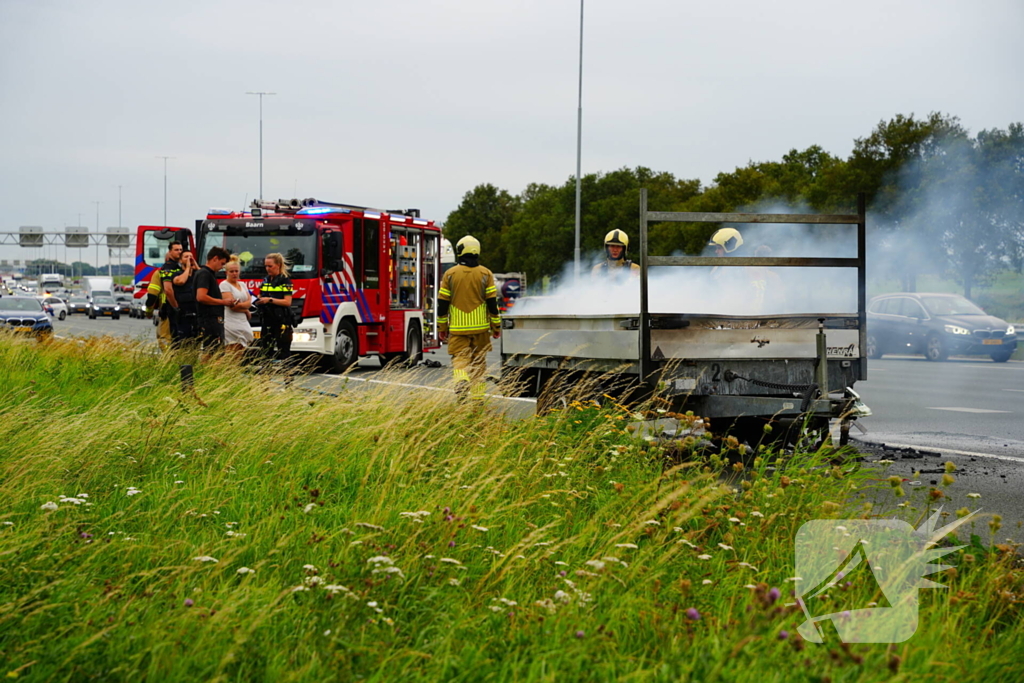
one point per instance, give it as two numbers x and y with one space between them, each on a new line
495 320
443 321
460 375
445 292
492 290
276 288
473 321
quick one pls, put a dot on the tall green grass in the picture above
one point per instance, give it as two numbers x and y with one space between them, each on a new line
252 531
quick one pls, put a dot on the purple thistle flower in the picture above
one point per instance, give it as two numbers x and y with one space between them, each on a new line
692 614
451 544
773 595
562 573
783 635
580 634
188 602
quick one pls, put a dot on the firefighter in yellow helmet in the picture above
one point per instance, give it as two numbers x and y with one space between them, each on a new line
468 317
615 263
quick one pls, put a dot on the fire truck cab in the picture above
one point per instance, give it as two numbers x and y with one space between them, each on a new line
364 280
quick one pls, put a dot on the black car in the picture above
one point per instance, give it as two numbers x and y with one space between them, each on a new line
124 303
103 305
24 314
936 325
78 304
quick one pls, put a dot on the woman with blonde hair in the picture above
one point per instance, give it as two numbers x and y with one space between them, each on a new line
274 304
237 330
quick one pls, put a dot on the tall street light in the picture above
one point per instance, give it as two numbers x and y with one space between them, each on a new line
97 236
579 139
165 187
261 93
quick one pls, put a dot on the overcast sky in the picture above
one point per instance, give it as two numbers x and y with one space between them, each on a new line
411 103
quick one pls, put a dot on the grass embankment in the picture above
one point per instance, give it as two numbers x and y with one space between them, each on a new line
259 533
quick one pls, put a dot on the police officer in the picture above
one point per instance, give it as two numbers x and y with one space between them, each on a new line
274 304
176 276
615 263
468 318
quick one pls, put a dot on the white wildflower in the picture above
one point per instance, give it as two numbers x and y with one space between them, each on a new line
246 570
750 585
840 528
755 513
309 508
561 564
885 462
132 491
450 560
748 565
313 580
418 515
233 534
179 481
596 564
299 589
632 546
337 588
707 582
795 578
686 542
497 608
7 523
453 582
380 559
388 570
309 567
479 528
974 495
562 596
652 522
371 527
703 557
724 546
327 632
505 601
205 558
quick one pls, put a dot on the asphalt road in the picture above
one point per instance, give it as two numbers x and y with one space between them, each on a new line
973 406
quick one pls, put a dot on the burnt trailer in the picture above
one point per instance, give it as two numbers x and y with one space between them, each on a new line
755 369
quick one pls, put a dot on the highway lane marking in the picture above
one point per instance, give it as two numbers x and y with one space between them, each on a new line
941 449
970 410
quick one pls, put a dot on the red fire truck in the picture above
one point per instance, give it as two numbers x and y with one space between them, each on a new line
365 280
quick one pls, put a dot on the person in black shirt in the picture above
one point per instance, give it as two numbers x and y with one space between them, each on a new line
176 275
274 303
210 310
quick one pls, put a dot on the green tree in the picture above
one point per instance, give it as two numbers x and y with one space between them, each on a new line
485 212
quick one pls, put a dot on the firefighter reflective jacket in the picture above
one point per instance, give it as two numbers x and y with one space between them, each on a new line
468 288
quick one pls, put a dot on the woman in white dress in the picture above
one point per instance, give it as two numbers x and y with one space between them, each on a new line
237 331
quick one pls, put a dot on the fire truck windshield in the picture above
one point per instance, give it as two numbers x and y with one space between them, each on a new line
252 245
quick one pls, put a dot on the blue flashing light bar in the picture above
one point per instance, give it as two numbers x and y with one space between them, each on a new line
319 210
219 212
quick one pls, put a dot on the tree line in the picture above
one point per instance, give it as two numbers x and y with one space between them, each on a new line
940 200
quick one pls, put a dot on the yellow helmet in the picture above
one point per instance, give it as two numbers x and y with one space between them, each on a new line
467 245
617 237
729 239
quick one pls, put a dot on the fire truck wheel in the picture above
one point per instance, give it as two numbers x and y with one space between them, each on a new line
412 356
346 347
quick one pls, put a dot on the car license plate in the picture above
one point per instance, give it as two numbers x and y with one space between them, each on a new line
255 334
992 342
22 329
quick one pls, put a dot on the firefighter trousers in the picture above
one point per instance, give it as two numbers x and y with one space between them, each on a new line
469 363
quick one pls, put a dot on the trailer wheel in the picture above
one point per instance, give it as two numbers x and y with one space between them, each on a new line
346 347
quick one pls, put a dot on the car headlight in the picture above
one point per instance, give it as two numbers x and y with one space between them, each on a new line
1010 330
956 329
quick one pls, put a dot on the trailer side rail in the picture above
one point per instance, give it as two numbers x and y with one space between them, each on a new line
646 261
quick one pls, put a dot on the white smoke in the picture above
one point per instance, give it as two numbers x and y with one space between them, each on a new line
731 290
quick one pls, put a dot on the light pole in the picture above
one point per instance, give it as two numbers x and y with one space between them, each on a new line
118 225
261 93
165 187
97 236
579 140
